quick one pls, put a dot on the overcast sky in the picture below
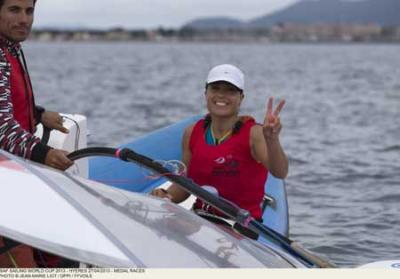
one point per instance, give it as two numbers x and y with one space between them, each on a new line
145 13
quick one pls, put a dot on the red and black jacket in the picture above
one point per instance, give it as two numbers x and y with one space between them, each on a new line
18 113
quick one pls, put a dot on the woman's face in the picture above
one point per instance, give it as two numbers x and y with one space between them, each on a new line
223 99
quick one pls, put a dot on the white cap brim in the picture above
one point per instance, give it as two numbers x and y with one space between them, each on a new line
224 78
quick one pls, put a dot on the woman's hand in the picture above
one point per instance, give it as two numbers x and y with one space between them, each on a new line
272 122
161 193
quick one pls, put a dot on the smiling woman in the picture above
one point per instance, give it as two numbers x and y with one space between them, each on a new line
230 152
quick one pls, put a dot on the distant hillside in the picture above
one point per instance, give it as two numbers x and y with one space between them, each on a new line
382 12
214 22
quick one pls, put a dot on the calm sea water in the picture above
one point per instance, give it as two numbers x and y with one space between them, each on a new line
341 121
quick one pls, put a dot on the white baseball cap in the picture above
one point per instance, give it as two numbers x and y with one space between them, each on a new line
228 73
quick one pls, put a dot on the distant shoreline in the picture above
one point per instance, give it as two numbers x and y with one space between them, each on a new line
282 33
395 43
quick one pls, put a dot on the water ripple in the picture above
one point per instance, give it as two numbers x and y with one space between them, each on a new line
341 129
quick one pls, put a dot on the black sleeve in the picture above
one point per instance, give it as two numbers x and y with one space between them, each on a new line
39 152
38 114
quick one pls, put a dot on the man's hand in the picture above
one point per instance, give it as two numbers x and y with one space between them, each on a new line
58 159
53 120
161 193
272 122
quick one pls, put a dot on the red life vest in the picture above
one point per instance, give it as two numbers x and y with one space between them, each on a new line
21 94
229 167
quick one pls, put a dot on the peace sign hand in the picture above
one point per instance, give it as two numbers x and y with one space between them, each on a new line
272 122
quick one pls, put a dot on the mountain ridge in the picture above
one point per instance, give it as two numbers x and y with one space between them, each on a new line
380 12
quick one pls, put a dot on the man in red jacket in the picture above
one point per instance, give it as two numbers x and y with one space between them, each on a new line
18 113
